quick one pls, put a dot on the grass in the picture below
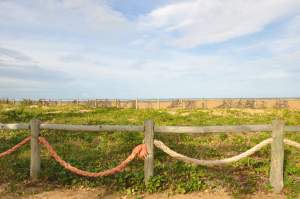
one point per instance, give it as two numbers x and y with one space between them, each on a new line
99 151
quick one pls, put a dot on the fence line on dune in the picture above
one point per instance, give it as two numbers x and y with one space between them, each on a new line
176 103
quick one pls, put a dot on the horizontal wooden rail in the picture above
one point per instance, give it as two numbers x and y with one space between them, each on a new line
158 129
212 129
14 126
92 127
292 128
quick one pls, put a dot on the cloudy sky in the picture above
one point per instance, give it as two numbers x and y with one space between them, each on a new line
149 48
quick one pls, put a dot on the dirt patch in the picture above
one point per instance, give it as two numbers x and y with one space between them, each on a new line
82 193
74 194
54 112
85 111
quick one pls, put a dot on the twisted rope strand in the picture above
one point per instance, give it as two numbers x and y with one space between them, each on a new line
139 151
14 148
292 143
184 158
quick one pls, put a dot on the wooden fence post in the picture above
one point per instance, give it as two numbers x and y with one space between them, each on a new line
181 102
149 160
277 156
35 160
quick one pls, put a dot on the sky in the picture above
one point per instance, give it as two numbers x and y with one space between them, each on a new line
67 49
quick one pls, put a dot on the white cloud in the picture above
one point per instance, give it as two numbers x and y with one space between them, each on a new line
102 61
75 17
13 83
194 22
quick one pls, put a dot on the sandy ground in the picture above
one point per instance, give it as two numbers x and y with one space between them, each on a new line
101 193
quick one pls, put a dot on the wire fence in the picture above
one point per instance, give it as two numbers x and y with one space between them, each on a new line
177 103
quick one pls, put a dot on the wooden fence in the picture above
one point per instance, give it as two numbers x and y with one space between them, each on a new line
149 128
186 103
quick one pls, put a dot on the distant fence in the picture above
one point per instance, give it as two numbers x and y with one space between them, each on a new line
147 149
252 103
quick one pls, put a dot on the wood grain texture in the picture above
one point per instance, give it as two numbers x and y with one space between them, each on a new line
212 129
158 129
277 156
109 128
14 126
149 141
35 159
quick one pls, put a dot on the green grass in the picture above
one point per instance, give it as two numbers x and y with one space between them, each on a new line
100 151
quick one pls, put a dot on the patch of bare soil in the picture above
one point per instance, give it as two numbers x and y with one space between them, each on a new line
74 194
104 194
213 195
85 111
53 112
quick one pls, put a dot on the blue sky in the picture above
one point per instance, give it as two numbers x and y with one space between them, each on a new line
149 49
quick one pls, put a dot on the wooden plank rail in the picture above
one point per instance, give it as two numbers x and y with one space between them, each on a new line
14 126
212 129
96 128
292 128
157 129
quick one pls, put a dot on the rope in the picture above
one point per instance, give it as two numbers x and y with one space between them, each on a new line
292 143
14 148
139 151
247 153
184 158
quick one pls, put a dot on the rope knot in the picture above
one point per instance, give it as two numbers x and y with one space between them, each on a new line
140 151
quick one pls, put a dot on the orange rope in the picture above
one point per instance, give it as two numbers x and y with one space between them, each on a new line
14 148
139 151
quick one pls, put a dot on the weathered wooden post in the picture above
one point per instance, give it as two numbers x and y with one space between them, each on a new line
136 103
149 160
182 104
35 160
277 156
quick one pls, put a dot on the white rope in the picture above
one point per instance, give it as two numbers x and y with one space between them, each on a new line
184 158
292 143
247 153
